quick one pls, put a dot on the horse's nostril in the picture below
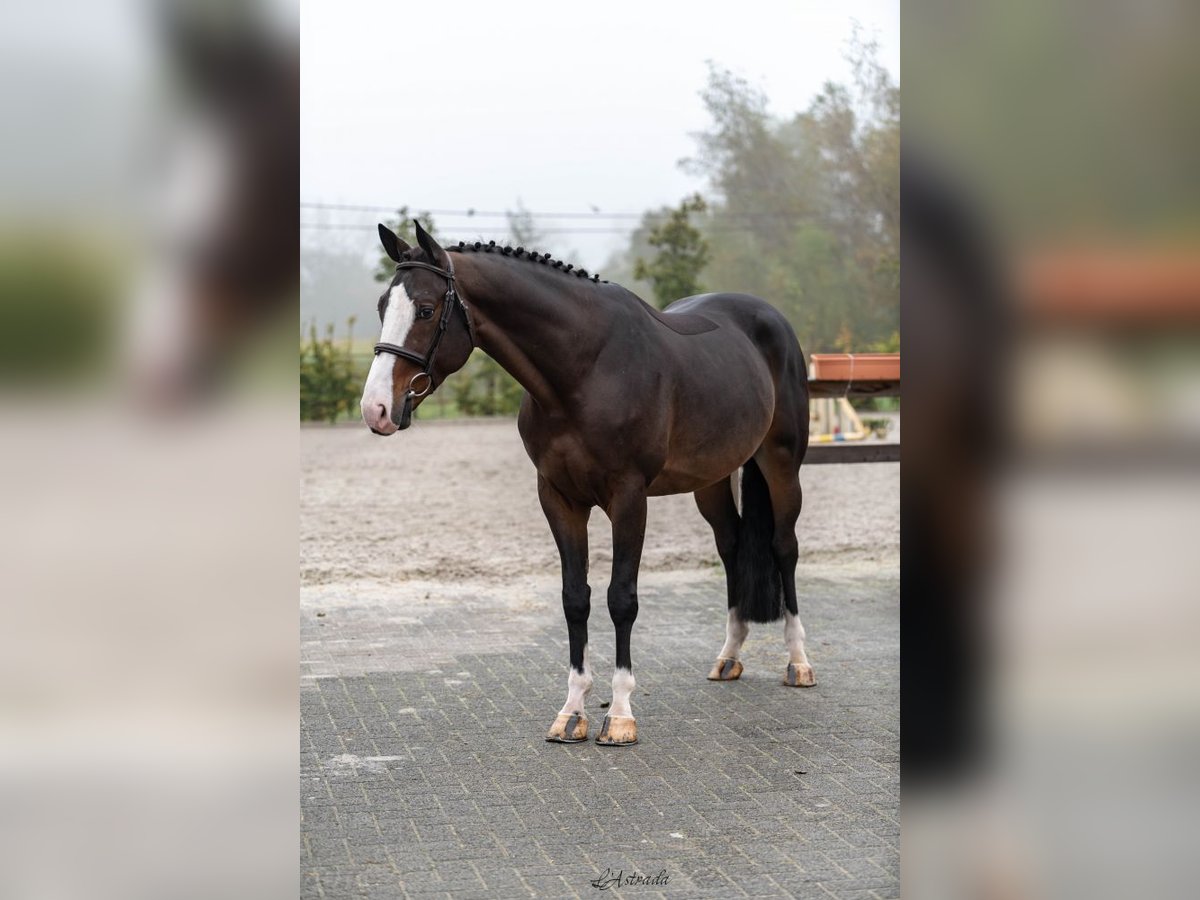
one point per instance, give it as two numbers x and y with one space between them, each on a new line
382 412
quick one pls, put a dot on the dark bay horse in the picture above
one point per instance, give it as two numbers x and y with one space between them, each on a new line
622 403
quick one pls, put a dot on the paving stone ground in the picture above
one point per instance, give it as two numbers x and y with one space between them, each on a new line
424 772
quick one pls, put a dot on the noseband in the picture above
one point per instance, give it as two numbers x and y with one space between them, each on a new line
451 301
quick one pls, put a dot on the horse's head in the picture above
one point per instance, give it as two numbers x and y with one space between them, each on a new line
426 333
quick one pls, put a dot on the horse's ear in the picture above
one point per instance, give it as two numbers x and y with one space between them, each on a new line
392 242
436 254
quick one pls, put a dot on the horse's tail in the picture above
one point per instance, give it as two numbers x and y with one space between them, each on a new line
758 588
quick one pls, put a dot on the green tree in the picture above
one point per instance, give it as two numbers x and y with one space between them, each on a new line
682 254
805 211
329 386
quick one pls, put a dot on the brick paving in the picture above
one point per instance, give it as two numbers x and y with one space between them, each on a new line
424 772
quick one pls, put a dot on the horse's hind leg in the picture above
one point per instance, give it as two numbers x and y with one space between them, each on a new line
779 461
568 523
716 504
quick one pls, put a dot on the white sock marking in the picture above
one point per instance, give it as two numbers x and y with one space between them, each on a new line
793 633
623 684
735 634
578 688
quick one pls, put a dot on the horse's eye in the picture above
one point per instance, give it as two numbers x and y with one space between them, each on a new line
425 312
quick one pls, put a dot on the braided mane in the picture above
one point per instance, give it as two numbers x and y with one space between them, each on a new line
521 253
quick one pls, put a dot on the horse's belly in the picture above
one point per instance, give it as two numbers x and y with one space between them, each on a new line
717 423
704 450
669 482
689 469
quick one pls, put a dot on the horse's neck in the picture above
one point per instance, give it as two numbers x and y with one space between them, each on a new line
536 328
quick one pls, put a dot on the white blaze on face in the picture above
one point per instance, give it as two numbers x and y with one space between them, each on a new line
377 393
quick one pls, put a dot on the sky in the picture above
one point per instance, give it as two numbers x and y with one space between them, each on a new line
560 107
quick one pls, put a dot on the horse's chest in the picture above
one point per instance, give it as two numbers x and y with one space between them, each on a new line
582 463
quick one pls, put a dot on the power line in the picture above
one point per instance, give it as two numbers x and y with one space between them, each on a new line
466 229
477 213
346 226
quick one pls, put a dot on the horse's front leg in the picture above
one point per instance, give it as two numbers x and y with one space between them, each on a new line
568 523
627 511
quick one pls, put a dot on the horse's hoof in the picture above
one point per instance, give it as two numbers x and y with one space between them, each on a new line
799 676
617 731
725 670
568 729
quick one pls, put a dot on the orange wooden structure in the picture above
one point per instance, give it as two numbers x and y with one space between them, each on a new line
1111 286
842 375
854 375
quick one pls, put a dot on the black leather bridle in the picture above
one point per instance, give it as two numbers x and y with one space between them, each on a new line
452 300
